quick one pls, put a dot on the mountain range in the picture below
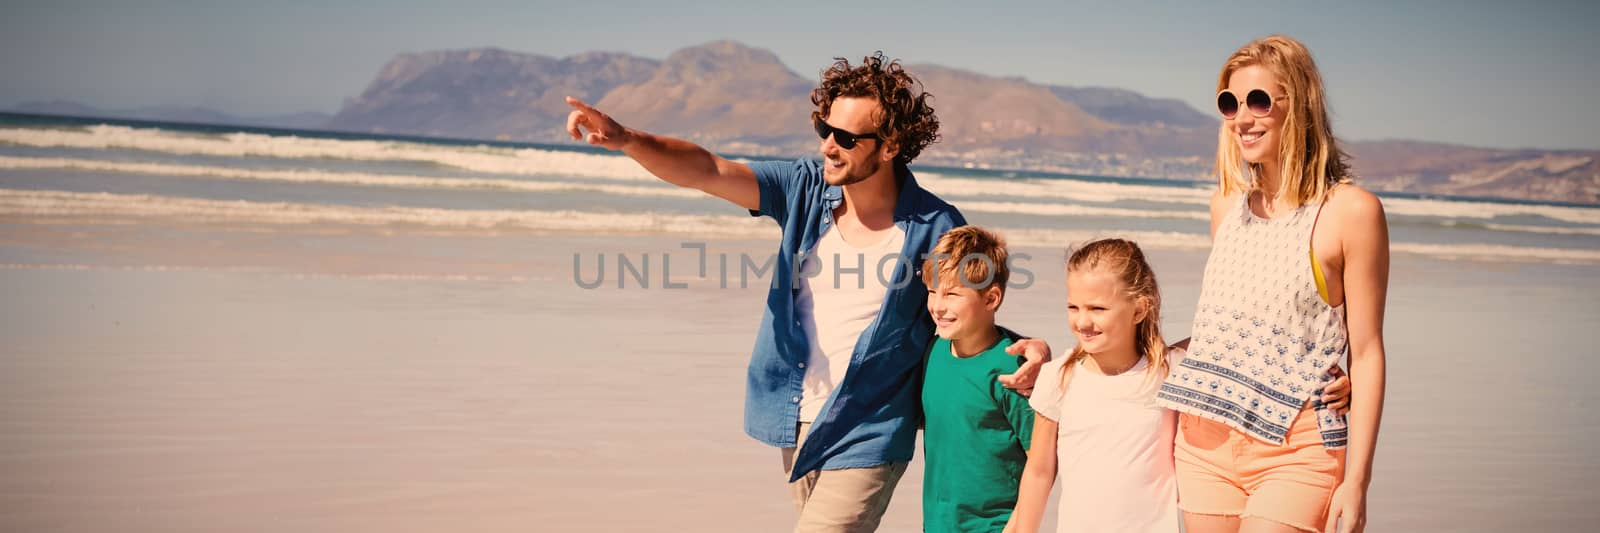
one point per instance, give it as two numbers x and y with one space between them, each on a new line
739 99
736 98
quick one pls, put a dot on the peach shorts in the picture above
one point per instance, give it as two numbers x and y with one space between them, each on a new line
1221 471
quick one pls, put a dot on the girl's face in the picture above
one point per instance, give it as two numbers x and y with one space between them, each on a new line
1103 316
1258 137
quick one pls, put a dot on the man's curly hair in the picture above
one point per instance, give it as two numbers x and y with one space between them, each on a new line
907 119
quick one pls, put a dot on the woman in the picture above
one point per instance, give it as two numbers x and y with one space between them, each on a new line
1297 275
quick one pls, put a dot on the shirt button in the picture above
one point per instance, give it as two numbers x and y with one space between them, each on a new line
802 365
795 399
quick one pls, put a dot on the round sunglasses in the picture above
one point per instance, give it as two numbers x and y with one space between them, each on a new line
1259 102
844 139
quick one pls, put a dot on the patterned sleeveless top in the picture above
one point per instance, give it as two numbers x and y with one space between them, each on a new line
1263 338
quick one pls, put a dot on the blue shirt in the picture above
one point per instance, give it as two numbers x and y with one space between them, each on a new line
872 417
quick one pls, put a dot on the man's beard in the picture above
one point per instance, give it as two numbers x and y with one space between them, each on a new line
859 172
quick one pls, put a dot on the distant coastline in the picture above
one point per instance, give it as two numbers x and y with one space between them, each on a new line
18 119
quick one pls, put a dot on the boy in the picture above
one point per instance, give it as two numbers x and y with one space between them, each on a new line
977 431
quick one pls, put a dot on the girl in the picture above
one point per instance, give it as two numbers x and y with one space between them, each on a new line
1117 471
1297 275
1096 420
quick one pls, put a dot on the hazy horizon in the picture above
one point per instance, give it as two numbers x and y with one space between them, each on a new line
1476 73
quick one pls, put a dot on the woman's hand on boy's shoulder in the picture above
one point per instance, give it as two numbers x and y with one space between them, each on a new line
1037 353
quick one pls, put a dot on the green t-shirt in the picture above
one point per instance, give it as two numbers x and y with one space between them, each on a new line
976 439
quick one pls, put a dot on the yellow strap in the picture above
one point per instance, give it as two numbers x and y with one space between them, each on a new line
1322 282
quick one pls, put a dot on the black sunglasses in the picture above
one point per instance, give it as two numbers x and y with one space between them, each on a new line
844 139
1259 102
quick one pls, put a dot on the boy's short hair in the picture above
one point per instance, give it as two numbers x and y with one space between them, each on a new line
975 256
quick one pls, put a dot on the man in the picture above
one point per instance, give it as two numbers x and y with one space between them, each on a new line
835 374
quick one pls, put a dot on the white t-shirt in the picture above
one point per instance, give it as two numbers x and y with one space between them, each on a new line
1113 449
836 304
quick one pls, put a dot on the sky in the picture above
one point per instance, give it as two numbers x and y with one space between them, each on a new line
1495 74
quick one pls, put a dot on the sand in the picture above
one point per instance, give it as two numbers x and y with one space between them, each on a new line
206 379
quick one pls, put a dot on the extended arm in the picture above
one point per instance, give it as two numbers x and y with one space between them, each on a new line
675 161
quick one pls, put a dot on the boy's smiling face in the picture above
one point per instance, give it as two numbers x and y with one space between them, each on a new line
960 311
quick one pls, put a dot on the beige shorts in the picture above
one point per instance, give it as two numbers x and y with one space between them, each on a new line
843 501
1224 472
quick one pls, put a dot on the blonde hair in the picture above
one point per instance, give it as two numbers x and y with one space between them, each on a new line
979 255
1124 260
1311 162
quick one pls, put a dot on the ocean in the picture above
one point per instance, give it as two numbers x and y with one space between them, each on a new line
216 328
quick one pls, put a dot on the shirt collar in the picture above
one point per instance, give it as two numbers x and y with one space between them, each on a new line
903 209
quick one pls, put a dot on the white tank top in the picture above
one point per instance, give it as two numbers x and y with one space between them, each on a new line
1263 338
